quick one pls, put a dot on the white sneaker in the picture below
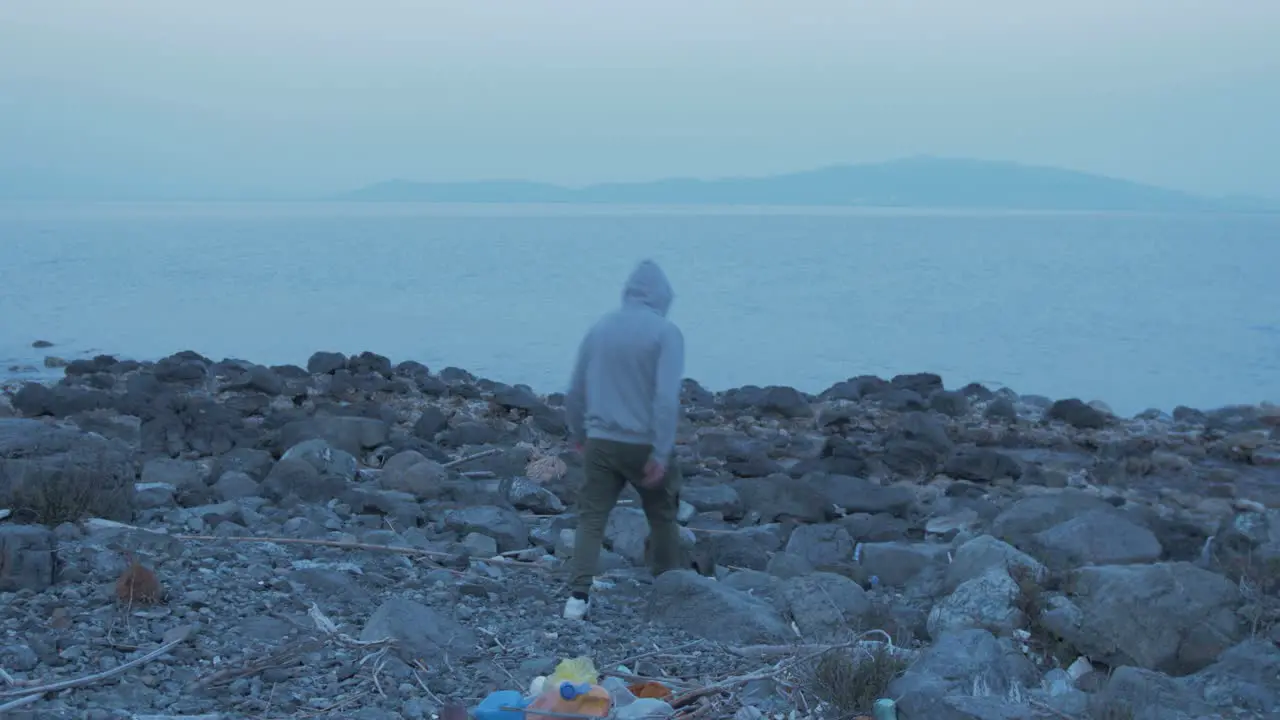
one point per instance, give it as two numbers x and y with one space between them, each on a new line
576 609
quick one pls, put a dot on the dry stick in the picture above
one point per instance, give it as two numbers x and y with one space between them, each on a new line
776 670
651 653
469 458
342 545
15 704
182 637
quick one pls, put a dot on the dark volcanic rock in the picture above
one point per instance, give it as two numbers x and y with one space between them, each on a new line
982 465
326 363
186 367
1076 413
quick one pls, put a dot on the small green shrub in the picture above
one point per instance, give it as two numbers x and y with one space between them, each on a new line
853 681
67 492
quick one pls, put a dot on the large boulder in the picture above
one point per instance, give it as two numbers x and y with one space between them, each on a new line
419 631
501 524
960 667
354 435
1031 515
1172 617
27 560
1097 537
709 609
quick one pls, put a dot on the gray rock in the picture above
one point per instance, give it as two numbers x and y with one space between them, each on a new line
1097 537
965 663
469 433
1001 408
353 435
18 657
234 485
1037 513
250 461
1143 694
480 545
826 606
432 422
975 557
419 631
897 563
295 477
171 471
1171 617
423 478
988 602
821 544
325 458
26 557
951 403
402 508
686 600
785 565
729 446
714 498
1246 676
525 494
748 548
326 363
981 465
860 495
153 496
778 496
1076 413
501 524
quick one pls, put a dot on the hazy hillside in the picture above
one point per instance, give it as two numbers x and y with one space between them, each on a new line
914 182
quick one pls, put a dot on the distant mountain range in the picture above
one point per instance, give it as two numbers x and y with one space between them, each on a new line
921 182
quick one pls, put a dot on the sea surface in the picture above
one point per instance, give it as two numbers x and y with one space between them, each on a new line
1136 310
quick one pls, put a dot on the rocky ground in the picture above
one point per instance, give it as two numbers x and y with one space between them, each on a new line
357 539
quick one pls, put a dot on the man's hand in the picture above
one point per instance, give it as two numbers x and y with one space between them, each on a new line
654 472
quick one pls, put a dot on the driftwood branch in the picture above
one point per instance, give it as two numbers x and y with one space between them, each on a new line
469 458
20 702
810 652
341 545
29 695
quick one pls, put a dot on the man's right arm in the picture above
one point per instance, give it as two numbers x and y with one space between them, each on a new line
575 400
666 393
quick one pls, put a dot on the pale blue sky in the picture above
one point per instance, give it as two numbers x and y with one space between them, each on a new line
318 96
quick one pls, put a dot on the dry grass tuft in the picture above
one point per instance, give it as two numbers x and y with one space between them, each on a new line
138 584
53 495
1032 600
545 469
854 680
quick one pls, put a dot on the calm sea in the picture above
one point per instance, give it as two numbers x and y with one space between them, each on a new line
1136 310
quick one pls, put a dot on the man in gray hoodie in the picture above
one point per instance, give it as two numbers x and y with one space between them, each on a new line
623 405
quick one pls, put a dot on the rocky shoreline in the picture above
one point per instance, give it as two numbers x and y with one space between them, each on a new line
362 539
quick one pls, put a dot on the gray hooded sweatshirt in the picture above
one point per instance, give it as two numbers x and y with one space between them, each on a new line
626 381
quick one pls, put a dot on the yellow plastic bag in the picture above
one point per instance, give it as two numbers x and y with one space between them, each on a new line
576 670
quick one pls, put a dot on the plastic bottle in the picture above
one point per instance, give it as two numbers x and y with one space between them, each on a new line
491 707
586 699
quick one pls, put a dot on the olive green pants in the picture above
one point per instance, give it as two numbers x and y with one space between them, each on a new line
610 465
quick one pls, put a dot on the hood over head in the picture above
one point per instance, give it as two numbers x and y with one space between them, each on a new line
648 286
